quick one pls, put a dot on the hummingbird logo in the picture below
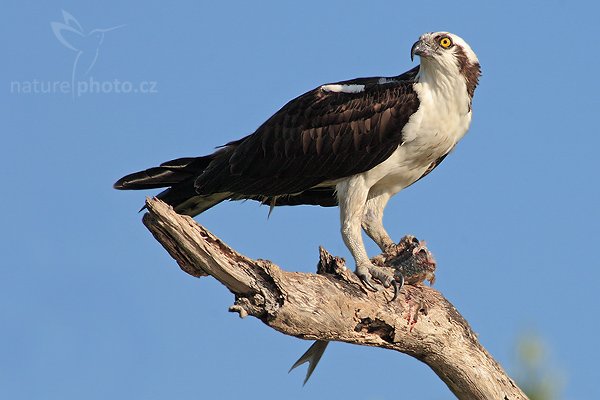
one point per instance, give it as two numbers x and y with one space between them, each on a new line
71 34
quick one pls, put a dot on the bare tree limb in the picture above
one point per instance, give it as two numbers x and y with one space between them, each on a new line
335 307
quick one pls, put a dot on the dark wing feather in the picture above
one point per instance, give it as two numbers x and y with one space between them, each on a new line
168 173
317 137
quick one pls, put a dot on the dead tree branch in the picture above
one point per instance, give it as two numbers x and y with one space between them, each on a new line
335 307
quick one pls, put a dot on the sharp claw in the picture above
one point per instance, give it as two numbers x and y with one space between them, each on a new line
397 287
368 285
395 296
365 278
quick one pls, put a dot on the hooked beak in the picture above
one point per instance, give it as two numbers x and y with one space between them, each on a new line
420 48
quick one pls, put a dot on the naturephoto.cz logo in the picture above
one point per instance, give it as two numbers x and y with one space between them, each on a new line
85 47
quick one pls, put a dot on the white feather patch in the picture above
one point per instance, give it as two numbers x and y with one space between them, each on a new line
383 81
343 88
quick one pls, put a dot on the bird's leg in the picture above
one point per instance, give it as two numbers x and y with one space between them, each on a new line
352 195
372 221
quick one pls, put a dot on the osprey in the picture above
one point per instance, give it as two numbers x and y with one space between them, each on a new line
352 143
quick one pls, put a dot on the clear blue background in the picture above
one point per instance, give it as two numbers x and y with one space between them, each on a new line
91 307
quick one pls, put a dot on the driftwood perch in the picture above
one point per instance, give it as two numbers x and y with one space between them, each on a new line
335 307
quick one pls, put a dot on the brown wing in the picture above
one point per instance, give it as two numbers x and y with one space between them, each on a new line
319 136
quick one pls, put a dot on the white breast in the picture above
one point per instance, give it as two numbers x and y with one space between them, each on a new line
441 121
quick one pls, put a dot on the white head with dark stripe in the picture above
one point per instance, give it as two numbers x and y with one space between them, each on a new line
446 55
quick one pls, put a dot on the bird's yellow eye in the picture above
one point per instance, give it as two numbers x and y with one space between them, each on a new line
445 42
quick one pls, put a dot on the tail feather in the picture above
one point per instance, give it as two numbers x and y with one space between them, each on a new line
195 184
178 176
184 199
167 174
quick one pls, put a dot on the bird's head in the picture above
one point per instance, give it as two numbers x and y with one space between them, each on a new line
448 54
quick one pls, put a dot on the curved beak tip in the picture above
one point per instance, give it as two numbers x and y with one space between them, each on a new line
412 51
420 48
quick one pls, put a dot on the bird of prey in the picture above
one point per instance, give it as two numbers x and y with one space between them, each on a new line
352 144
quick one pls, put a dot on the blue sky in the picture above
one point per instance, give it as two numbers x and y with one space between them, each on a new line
92 307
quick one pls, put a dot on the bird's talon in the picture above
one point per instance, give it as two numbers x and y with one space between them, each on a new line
365 277
396 290
397 286
372 288
365 274
369 286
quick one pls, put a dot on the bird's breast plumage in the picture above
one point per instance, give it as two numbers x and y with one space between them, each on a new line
442 119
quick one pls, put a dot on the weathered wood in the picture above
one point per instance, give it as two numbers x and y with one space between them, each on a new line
336 307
